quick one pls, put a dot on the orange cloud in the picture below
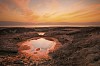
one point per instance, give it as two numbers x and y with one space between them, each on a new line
3 7
93 14
26 11
23 5
49 11
88 10
93 9
24 15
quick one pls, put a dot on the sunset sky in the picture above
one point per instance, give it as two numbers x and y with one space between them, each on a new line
50 11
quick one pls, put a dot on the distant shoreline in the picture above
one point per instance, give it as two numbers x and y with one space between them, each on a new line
30 26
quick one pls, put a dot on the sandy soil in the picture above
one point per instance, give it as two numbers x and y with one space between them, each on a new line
80 46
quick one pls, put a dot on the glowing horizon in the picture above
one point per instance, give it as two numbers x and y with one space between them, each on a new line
50 11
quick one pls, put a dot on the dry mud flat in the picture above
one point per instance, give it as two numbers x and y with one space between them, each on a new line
80 46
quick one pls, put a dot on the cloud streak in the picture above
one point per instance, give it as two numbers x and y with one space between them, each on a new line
23 5
4 7
50 10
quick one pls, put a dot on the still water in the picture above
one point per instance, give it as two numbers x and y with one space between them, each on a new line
41 33
39 48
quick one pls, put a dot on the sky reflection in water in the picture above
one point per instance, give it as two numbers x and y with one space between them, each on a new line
37 49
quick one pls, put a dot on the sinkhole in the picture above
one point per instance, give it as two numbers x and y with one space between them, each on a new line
38 48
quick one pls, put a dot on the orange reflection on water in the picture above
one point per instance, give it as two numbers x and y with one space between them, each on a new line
38 48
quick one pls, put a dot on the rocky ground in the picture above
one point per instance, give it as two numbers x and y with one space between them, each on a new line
80 46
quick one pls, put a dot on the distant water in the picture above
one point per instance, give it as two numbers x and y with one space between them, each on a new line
53 26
